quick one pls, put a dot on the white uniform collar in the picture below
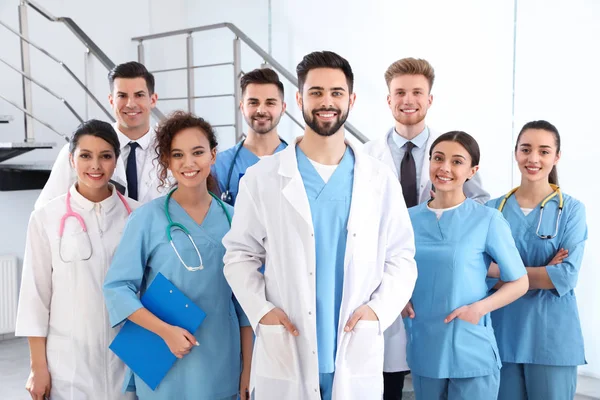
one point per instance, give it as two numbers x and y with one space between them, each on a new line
145 141
87 205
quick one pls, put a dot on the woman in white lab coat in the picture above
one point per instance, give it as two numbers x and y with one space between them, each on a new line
70 244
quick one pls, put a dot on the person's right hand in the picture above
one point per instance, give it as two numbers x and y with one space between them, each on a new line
559 257
277 317
408 311
39 383
179 340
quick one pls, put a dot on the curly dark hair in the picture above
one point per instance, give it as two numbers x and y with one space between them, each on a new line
166 131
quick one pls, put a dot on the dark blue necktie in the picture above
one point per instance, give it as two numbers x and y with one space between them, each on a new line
131 172
408 176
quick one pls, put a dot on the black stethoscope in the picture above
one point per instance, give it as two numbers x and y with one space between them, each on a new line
226 196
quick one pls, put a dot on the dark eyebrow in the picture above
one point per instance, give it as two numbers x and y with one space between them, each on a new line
193 148
338 89
268 99
438 152
140 92
461 156
316 88
90 151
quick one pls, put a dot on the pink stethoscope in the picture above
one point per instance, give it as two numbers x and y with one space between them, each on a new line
71 213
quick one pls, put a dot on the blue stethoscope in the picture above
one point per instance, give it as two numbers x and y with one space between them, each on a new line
226 196
176 225
555 193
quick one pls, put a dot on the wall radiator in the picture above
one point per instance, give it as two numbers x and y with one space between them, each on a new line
9 276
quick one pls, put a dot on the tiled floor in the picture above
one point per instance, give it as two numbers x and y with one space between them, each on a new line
14 369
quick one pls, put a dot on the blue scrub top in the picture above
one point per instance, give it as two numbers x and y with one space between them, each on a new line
330 210
547 320
453 255
243 161
212 370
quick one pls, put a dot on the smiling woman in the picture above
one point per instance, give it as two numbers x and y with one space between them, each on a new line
61 307
451 346
179 236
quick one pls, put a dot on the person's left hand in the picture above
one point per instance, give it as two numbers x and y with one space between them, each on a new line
363 312
471 313
245 384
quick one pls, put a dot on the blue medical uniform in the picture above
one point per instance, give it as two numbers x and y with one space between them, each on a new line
453 255
243 161
212 370
550 334
330 209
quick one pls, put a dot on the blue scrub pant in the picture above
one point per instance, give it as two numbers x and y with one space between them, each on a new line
481 388
532 382
326 385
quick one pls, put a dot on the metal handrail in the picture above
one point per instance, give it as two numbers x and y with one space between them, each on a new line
254 46
62 64
47 125
88 43
48 90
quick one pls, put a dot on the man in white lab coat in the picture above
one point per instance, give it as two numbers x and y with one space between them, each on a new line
330 224
132 98
405 149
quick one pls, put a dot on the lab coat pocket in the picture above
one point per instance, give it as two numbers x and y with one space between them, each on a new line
364 349
61 365
276 353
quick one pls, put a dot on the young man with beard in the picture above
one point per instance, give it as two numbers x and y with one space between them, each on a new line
405 149
262 106
132 98
331 227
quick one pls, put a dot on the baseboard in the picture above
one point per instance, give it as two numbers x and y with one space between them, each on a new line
7 336
588 386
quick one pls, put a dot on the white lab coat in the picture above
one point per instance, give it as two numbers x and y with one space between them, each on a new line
273 224
63 176
395 335
64 302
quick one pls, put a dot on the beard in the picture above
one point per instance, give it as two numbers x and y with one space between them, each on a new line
327 128
263 128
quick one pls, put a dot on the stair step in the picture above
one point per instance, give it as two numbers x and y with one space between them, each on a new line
5 119
24 176
10 150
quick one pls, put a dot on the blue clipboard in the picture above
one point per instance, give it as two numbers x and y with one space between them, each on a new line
145 352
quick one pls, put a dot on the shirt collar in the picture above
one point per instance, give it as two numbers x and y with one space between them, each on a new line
144 142
78 200
418 140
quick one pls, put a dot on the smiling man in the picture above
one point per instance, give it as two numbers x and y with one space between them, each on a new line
405 150
132 98
330 225
262 106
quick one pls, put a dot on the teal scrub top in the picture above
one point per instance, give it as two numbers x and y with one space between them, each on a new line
547 321
212 370
453 256
244 160
330 209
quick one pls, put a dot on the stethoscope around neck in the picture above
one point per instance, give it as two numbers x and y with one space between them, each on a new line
226 196
556 192
176 225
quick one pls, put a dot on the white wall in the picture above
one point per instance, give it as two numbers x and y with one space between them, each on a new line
469 42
